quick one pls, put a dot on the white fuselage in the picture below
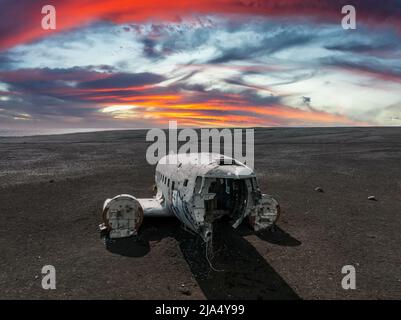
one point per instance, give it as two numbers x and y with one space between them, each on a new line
199 189
203 187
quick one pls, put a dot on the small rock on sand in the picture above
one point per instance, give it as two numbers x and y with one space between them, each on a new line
184 290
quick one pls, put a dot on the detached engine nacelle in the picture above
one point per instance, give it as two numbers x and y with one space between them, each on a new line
265 214
122 216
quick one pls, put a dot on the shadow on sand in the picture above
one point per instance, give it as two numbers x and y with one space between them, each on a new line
244 274
276 236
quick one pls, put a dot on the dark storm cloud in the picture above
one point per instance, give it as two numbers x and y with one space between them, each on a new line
149 48
39 106
6 62
48 80
265 46
48 74
41 92
279 37
365 42
359 47
375 68
123 80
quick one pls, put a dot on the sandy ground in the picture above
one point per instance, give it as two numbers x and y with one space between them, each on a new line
52 189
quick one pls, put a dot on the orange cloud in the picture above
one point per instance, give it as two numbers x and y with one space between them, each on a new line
226 115
161 104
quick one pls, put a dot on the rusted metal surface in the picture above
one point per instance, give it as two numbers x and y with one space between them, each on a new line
122 215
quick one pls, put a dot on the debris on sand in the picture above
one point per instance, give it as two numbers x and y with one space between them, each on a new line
319 189
51 181
184 290
372 198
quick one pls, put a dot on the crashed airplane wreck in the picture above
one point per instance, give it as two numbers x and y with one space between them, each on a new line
199 189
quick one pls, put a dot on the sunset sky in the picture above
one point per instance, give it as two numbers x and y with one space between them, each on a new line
211 63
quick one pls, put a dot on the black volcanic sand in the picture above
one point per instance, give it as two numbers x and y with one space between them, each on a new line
52 189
